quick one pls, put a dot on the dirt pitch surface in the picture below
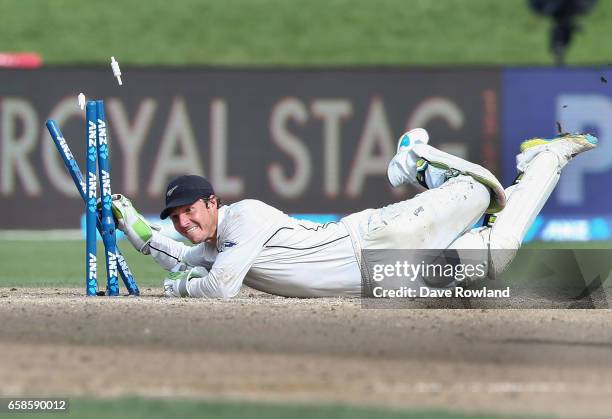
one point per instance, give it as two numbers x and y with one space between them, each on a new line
266 348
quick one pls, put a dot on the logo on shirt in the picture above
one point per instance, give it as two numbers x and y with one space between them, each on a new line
227 244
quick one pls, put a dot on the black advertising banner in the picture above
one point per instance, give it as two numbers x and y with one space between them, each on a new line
305 141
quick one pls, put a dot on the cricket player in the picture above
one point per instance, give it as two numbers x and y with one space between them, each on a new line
253 243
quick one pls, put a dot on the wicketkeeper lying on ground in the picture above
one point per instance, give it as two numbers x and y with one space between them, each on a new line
254 243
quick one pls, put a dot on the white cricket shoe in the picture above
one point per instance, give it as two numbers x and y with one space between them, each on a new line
426 167
403 166
417 135
565 147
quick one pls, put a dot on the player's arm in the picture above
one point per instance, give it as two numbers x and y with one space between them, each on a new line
222 281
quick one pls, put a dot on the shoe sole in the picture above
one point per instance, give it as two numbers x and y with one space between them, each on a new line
476 171
586 141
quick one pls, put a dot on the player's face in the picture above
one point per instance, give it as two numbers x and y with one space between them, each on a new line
197 222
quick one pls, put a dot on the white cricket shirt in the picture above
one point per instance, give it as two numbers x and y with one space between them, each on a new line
269 251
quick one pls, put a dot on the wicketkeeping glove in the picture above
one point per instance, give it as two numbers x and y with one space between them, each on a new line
135 227
175 285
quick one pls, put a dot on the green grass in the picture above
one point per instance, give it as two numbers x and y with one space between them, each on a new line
294 33
162 409
62 264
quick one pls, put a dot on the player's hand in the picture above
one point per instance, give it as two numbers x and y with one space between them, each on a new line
175 285
135 227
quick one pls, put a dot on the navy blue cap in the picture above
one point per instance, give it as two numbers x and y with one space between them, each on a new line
185 190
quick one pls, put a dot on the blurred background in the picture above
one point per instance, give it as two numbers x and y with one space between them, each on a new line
300 105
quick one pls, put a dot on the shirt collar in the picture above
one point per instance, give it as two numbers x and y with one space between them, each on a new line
221 219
